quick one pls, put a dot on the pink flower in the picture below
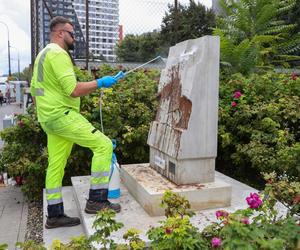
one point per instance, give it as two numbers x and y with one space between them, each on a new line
221 213
245 221
294 76
233 104
168 230
216 242
20 124
254 201
237 94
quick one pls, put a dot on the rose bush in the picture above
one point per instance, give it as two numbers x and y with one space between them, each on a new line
259 122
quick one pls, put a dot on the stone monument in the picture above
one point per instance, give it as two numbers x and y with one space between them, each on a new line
183 136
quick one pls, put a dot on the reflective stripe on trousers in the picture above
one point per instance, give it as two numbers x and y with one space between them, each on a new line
54 195
99 180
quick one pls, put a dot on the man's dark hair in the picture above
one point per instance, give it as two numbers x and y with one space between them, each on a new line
58 20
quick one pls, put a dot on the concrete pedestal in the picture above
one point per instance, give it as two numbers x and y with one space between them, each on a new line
148 186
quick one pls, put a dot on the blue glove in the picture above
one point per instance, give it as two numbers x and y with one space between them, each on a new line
108 81
120 75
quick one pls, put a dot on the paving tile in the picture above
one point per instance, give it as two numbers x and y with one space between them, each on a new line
63 234
13 216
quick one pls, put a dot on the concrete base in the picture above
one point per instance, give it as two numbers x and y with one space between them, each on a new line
147 187
133 215
183 171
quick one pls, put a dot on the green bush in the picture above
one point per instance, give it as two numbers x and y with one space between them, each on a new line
259 122
24 153
128 109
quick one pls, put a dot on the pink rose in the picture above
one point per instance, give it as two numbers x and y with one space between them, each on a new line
216 242
221 213
233 104
245 221
254 201
237 94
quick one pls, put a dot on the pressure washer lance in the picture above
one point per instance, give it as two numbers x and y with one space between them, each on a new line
152 60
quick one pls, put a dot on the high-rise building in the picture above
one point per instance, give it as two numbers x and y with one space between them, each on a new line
46 9
103 26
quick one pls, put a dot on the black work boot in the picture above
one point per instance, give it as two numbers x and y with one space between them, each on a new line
98 201
62 221
57 217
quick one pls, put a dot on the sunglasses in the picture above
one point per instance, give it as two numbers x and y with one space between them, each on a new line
72 34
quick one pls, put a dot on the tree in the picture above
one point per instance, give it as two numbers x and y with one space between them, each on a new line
293 17
194 21
25 75
253 35
140 48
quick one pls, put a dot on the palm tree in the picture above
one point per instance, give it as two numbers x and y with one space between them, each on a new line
253 36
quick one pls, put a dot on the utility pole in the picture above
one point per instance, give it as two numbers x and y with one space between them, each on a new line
18 61
32 31
87 34
8 48
176 24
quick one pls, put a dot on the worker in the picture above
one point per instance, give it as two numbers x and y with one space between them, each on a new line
56 94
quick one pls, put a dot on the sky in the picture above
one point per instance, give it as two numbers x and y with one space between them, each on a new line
136 16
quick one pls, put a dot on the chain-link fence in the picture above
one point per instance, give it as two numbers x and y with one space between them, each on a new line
140 16
108 24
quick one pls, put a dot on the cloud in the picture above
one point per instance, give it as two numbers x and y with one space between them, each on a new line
16 15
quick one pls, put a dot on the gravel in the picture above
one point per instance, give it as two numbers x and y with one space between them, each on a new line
35 222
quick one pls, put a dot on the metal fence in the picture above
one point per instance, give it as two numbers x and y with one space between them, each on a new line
140 16
135 17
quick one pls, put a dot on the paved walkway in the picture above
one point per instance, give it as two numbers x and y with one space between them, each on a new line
13 208
13 216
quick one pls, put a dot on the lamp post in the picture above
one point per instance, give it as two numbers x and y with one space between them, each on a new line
8 48
18 61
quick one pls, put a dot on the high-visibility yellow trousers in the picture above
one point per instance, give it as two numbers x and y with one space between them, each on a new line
62 133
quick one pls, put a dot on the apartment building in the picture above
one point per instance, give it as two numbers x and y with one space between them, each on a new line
103 26
48 8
